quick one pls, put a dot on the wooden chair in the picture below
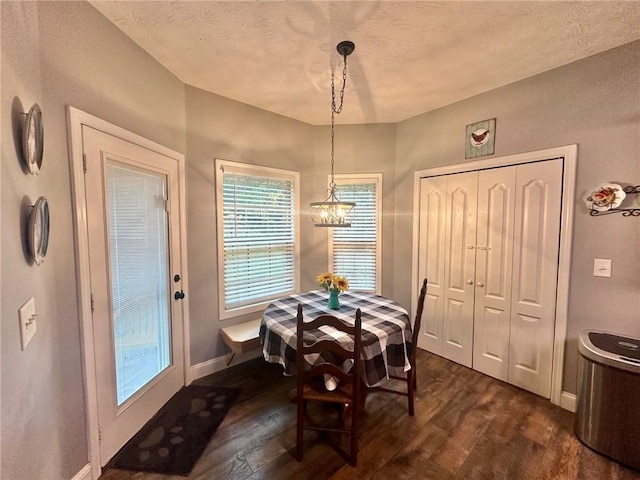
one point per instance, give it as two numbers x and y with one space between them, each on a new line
411 377
311 387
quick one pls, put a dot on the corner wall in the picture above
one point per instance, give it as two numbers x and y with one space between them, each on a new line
218 127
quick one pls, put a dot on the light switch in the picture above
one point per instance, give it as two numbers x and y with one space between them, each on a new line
601 267
28 316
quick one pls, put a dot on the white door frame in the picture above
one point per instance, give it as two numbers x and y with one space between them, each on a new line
76 119
570 155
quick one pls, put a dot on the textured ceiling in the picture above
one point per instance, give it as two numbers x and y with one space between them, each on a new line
410 57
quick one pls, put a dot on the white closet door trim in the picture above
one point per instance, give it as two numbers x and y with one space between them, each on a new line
570 155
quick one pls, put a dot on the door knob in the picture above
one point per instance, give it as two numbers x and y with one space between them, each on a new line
176 278
179 295
470 282
480 284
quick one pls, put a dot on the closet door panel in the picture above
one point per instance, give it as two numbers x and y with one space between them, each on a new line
527 350
494 255
460 238
455 321
431 259
535 267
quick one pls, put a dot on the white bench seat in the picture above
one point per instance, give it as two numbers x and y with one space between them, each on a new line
242 338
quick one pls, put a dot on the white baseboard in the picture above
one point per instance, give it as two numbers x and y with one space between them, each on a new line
568 401
218 364
84 474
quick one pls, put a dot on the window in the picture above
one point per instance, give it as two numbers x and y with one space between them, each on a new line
356 252
257 235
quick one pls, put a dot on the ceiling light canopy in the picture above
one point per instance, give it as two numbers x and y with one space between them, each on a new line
332 212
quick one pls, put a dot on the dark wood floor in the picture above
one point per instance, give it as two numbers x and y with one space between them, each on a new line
467 426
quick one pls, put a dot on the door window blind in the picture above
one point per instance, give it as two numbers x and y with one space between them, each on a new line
258 236
138 250
355 251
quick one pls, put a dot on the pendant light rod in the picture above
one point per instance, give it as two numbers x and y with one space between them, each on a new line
332 212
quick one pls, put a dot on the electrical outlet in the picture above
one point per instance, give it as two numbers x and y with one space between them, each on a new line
601 267
27 322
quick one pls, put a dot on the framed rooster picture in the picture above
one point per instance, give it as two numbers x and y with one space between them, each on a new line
480 138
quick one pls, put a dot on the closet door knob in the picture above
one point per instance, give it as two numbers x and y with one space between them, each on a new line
470 282
480 284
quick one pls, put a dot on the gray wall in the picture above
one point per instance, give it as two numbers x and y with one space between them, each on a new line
594 103
221 128
358 149
59 54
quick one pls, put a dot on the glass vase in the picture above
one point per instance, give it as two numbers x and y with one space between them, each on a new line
334 303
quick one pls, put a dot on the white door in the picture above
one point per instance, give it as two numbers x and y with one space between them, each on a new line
494 254
459 270
133 229
433 209
535 273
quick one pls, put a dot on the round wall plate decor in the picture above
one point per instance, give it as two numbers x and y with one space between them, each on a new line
605 197
39 230
33 139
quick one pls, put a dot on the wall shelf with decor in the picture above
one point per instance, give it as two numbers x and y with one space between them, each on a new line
608 197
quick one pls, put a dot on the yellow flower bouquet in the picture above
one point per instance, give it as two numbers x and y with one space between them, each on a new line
329 281
334 284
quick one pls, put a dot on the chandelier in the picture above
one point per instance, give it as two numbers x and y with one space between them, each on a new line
332 212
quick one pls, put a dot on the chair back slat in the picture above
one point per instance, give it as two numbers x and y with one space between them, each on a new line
327 345
330 321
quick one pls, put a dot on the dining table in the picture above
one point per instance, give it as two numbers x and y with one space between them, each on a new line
386 332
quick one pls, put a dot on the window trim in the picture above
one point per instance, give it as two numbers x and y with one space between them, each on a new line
359 178
253 170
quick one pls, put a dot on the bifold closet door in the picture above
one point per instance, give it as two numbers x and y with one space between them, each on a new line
489 244
494 255
534 278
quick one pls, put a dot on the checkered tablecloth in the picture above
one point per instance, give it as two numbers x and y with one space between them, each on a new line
386 331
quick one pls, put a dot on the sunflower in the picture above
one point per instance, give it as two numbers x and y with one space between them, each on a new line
325 280
341 283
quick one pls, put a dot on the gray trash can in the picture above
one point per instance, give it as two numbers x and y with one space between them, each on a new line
608 415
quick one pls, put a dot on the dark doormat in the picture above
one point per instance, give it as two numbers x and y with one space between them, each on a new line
173 440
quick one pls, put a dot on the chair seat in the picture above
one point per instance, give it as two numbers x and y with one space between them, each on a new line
318 392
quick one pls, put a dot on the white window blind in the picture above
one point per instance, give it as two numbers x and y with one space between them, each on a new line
355 252
257 208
